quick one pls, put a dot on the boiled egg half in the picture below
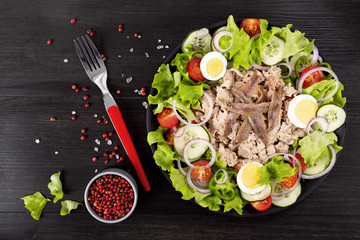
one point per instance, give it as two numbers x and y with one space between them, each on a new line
302 109
213 66
248 176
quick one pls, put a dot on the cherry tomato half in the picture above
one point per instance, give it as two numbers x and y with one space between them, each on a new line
251 26
302 162
262 205
201 174
167 118
169 135
289 182
194 69
313 78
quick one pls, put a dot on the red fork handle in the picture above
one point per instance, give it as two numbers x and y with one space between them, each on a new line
123 133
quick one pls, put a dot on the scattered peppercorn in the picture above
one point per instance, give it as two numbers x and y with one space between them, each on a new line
118 161
105 121
106 161
87 105
143 93
88 31
92 34
136 35
83 137
85 89
83 130
77 90
118 92
98 121
106 154
107 139
104 135
94 159
86 97
113 153
53 119
120 25
49 42
116 147
73 117
111 134
121 159
120 29
111 156
73 20
74 86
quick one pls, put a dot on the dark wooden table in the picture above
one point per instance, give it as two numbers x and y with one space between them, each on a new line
36 85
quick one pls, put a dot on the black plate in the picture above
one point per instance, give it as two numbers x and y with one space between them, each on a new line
307 187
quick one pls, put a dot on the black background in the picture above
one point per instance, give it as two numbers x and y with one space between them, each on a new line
36 85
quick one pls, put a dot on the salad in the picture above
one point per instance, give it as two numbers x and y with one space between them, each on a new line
245 113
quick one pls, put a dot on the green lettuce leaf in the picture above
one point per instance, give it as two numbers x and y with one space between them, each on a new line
236 203
212 201
163 155
295 42
55 187
311 147
67 206
240 50
275 168
35 204
180 184
325 87
190 94
180 107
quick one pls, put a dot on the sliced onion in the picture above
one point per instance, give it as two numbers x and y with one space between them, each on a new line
192 185
256 36
328 169
287 61
217 37
273 155
262 68
202 33
290 158
196 140
322 120
289 67
178 133
295 149
314 56
302 79
211 106
226 176
320 59
179 166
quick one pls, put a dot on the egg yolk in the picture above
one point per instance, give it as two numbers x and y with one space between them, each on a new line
305 110
214 67
250 175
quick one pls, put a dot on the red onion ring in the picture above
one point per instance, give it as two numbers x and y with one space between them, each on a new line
302 79
290 158
192 185
320 59
202 32
256 36
211 106
217 37
179 166
196 140
289 67
262 68
178 133
295 148
324 122
314 56
226 176
328 169
273 155
287 61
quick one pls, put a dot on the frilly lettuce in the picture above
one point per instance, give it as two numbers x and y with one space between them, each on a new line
312 147
35 203
67 206
325 87
55 187
275 168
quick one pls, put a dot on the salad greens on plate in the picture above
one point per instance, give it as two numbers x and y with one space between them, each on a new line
183 102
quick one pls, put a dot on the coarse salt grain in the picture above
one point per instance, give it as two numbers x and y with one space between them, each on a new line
166 46
56 152
164 56
146 54
129 79
159 40
122 75
136 90
160 47
96 170
96 149
119 56
117 156
131 49
97 141
37 141
95 115
127 37
109 142
73 112
65 60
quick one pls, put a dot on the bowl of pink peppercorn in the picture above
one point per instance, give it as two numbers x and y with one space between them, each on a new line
111 196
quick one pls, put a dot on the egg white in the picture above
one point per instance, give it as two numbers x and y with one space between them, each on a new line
291 109
243 187
206 59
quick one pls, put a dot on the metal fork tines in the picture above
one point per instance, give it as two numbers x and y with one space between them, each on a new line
90 57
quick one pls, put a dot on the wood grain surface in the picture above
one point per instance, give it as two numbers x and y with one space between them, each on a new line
35 85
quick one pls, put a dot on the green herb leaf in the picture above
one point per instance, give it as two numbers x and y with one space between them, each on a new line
67 206
236 203
324 88
180 184
55 186
35 204
275 168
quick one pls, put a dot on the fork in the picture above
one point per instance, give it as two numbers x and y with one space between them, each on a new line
96 70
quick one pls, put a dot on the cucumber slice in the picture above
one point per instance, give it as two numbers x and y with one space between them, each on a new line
262 195
334 114
319 166
288 199
203 42
273 51
190 132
